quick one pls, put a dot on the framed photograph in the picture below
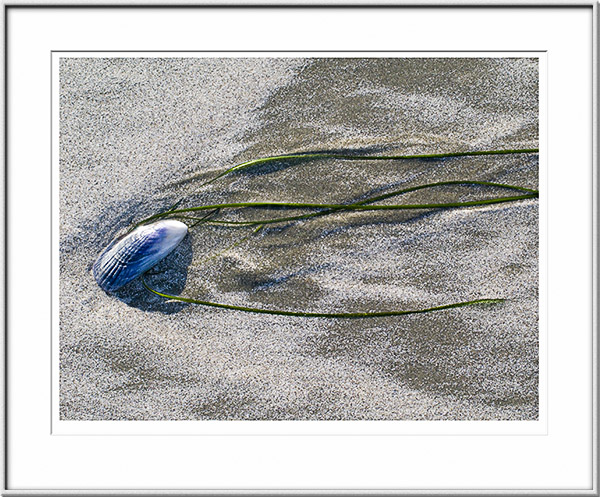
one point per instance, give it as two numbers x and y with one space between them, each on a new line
300 249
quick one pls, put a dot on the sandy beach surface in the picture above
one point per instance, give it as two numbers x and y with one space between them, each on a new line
139 134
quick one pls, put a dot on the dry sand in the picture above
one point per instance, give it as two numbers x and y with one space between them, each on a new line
138 134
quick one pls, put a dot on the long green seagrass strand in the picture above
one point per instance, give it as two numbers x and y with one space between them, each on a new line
337 315
332 315
362 205
310 156
348 207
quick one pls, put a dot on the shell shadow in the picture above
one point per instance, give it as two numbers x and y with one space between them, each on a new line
168 276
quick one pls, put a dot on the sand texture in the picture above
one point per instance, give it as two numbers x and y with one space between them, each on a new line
136 135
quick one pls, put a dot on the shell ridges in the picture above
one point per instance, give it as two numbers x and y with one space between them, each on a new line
128 257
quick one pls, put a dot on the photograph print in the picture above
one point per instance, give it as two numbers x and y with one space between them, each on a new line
271 238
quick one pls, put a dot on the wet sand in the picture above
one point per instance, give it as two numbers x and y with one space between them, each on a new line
136 135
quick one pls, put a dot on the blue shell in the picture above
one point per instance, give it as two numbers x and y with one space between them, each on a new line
128 257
